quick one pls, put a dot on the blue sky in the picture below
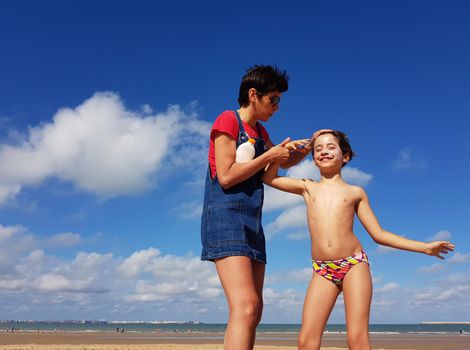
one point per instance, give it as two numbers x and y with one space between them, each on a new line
105 111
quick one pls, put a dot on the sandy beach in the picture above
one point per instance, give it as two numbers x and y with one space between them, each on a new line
207 341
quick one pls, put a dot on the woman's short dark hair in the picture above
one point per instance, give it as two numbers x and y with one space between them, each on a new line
263 79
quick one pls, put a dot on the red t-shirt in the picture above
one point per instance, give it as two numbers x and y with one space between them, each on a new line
227 123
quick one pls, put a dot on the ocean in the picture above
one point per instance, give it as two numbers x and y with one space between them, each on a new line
196 327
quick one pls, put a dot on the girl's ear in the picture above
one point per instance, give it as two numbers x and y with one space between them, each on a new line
346 158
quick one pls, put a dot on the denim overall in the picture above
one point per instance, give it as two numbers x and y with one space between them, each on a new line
231 218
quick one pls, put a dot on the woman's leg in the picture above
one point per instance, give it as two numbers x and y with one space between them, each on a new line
357 290
259 270
242 280
319 301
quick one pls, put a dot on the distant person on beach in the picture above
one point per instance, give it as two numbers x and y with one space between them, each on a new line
231 231
339 261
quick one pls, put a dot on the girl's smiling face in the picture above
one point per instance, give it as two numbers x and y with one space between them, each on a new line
327 153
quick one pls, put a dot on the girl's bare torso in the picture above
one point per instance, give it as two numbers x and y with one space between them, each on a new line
330 214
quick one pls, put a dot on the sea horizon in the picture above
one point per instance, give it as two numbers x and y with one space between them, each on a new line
188 327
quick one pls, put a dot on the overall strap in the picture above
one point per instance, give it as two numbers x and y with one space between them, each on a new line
242 134
241 129
258 127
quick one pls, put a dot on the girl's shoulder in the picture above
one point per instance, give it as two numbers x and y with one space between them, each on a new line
355 191
310 183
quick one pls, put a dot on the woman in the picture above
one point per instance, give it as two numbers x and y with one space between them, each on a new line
231 231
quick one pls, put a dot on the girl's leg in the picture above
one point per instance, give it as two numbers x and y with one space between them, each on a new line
357 291
242 280
319 301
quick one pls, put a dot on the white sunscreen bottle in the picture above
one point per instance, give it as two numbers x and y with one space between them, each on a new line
246 151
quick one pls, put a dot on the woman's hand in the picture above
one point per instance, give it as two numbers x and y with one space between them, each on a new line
279 153
439 247
299 145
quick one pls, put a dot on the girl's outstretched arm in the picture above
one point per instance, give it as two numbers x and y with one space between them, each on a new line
283 183
380 236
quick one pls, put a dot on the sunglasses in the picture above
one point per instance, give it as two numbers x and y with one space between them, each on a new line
274 100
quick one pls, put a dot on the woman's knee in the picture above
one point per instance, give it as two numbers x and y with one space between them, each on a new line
248 310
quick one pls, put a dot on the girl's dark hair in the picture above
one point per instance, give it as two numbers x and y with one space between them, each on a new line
343 141
264 79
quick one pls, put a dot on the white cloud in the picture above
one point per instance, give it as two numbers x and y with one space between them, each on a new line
188 210
7 232
376 279
304 170
459 278
292 217
287 300
148 284
8 192
102 148
55 282
147 281
300 276
385 303
441 236
431 269
298 236
275 199
392 286
356 176
408 159
291 277
86 264
66 239
138 262
458 258
382 249
14 284
451 294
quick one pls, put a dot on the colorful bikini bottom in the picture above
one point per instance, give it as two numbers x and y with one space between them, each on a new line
336 270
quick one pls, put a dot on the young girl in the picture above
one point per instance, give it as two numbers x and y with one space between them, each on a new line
339 261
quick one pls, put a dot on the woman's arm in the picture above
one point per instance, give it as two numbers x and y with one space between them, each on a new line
230 173
296 154
380 236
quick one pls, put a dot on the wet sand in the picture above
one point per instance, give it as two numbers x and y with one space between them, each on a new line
207 341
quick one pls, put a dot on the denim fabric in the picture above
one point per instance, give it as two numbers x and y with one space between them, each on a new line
231 218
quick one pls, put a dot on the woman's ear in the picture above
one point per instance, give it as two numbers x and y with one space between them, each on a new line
252 95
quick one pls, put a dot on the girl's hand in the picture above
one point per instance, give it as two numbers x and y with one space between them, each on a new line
439 247
318 132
